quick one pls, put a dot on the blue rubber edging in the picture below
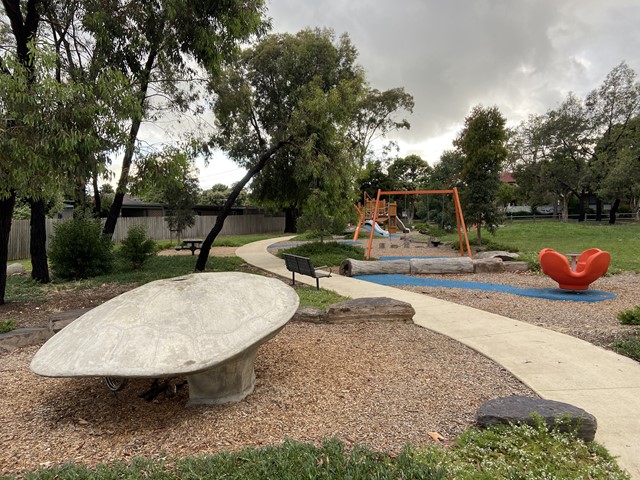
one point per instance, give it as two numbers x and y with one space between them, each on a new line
394 279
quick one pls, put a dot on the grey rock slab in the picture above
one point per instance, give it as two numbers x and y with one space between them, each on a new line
373 309
310 315
21 337
517 409
15 269
506 256
187 325
488 265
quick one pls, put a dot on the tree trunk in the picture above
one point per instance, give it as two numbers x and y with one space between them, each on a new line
114 211
479 232
565 208
97 201
291 220
38 242
582 211
226 209
614 211
598 210
6 214
351 267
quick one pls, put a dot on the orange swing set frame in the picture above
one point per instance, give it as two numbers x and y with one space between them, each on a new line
462 229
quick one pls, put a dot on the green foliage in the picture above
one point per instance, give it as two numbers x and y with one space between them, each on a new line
482 142
169 177
137 247
628 346
498 452
312 297
79 250
7 325
524 451
327 253
630 316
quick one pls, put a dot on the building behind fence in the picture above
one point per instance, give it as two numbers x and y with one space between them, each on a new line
156 228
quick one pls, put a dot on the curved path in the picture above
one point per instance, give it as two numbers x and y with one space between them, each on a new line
556 366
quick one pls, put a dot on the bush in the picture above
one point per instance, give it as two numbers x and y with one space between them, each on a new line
630 317
79 250
137 247
7 325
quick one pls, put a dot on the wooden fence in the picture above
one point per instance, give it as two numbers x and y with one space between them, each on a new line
156 228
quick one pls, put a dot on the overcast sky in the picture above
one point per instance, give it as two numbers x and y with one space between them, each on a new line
523 56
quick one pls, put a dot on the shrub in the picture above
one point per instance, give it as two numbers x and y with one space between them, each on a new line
79 250
628 346
137 247
630 317
7 325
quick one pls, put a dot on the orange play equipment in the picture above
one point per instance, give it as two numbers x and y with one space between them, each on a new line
378 210
591 265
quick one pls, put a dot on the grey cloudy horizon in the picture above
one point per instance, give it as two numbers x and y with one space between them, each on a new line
523 56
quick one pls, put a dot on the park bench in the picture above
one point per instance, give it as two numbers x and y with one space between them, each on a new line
303 266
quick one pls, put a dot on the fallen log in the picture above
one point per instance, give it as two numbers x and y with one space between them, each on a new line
352 268
441 265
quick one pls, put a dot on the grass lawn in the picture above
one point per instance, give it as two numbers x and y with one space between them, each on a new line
621 241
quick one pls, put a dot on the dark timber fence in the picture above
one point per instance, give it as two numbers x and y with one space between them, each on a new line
156 228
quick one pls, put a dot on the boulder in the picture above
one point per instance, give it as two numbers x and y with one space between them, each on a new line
15 269
515 266
518 409
506 256
376 309
309 314
488 265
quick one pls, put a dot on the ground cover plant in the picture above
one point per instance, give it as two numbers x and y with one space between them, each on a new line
630 317
516 451
621 241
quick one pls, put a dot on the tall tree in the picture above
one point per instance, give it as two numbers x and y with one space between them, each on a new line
376 116
169 177
482 142
38 143
409 173
287 101
161 47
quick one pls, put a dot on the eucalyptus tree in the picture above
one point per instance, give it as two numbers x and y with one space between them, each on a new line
162 47
409 173
282 111
482 144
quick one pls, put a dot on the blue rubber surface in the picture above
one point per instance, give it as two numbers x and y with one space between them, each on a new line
395 279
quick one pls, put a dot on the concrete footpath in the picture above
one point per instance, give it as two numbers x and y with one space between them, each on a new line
556 366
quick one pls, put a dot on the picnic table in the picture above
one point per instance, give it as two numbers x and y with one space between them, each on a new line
192 244
205 326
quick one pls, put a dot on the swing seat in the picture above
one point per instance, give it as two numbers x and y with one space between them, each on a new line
591 265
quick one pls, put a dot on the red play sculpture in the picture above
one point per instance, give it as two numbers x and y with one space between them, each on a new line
591 265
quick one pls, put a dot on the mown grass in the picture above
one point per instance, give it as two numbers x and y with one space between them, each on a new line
621 241
500 452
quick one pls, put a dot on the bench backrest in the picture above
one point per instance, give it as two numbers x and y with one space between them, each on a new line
299 264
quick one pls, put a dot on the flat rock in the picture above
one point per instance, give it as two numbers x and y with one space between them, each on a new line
488 265
169 327
515 266
16 269
506 256
309 314
375 309
518 409
21 337
58 321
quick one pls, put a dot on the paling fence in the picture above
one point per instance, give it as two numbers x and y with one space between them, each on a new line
156 228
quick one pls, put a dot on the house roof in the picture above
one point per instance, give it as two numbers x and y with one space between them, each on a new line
506 177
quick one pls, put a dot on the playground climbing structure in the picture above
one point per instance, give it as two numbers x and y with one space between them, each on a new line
379 210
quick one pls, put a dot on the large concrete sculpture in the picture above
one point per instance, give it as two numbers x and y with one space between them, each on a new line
205 326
